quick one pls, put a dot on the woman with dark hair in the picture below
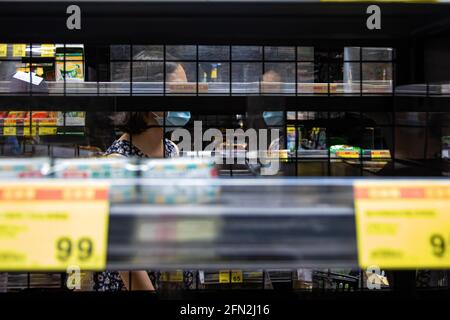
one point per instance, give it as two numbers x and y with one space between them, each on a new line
143 136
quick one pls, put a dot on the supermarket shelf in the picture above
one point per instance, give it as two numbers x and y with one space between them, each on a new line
226 104
256 224
209 104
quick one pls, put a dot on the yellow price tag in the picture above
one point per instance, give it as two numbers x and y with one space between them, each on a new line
380 154
26 131
9 131
176 276
19 50
164 276
51 225
47 50
237 276
347 154
224 276
403 224
43 131
3 50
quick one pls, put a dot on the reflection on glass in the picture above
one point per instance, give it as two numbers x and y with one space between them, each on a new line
147 52
278 78
216 74
352 53
246 77
120 52
377 77
214 52
247 53
188 52
305 53
279 53
181 78
377 54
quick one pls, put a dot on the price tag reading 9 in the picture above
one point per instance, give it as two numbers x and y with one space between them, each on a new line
439 245
403 224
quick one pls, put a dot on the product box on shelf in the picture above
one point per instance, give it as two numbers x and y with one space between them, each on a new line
168 191
173 192
13 168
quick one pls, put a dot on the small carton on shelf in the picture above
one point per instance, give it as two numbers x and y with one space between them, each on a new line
173 192
13 168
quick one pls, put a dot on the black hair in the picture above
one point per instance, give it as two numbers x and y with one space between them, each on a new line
131 122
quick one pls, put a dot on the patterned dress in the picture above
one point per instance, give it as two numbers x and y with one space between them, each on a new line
111 280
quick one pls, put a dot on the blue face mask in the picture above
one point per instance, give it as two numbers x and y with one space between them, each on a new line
174 118
273 118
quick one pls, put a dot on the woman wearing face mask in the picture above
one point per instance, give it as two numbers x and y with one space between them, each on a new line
143 136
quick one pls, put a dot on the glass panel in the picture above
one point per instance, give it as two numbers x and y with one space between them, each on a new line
120 72
214 52
278 78
351 78
377 54
409 143
377 118
217 74
148 72
120 52
352 53
336 55
305 53
246 53
147 52
9 84
181 52
445 143
411 118
377 77
279 53
246 77
181 77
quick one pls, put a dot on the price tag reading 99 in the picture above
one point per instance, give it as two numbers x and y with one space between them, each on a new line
403 224
48 226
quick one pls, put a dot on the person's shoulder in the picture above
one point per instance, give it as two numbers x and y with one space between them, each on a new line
171 148
119 148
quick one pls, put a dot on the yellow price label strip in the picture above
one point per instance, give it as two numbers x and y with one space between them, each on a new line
164 276
51 225
47 50
380 154
19 50
9 131
224 276
176 276
347 154
403 224
237 276
3 50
